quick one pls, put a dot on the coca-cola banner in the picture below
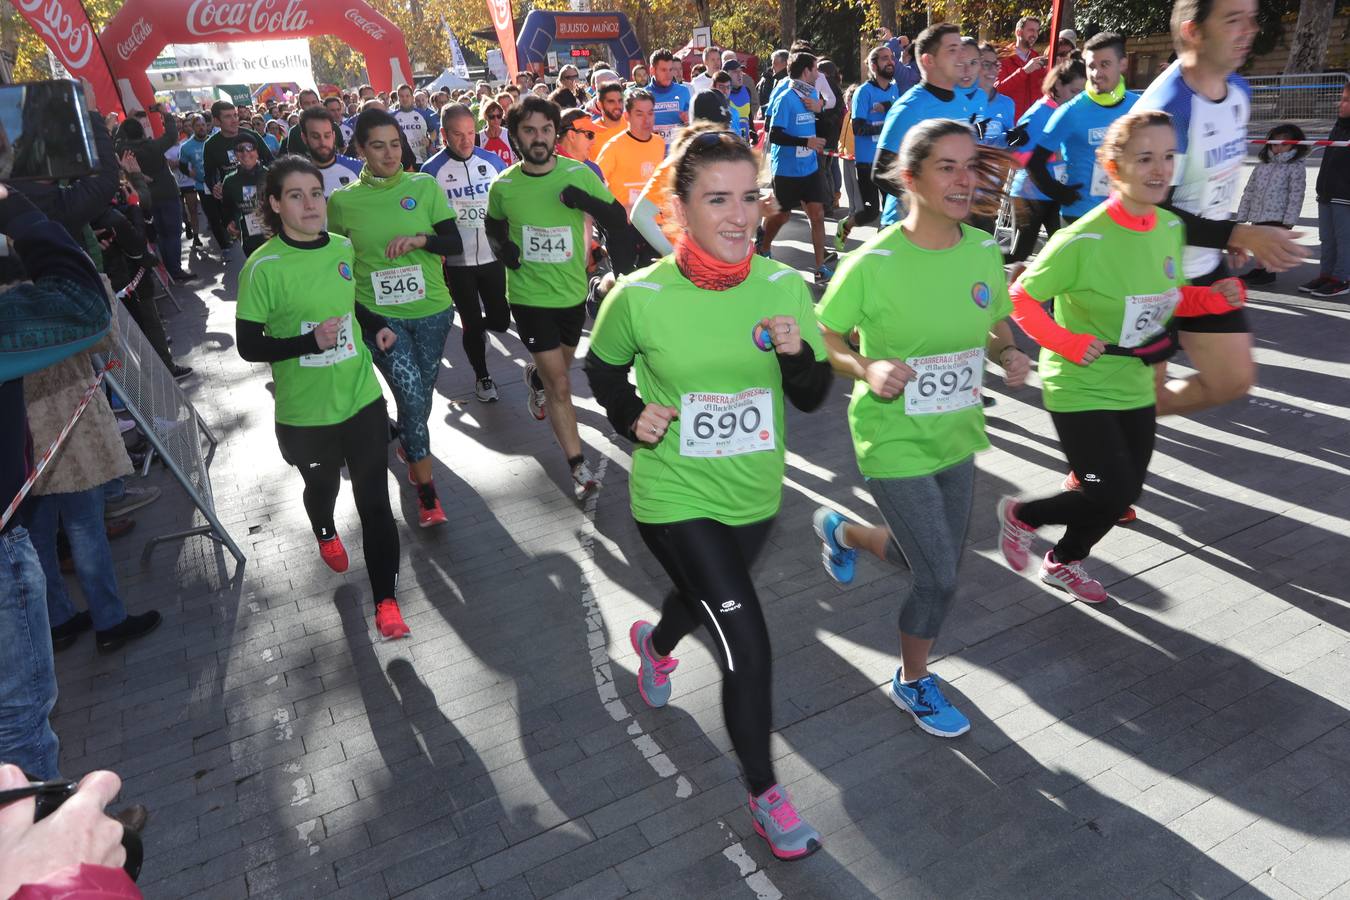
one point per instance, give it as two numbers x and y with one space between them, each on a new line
143 28
239 62
500 12
64 27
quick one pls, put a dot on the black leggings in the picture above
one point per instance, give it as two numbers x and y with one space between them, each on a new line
1109 451
870 193
479 295
710 565
1032 216
361 444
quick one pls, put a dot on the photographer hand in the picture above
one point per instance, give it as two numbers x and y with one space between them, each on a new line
78 832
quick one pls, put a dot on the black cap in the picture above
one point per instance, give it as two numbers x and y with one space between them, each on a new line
711 106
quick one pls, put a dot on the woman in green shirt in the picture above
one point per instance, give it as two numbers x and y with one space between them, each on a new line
929 302
1116 278
298 311
401 225
719 337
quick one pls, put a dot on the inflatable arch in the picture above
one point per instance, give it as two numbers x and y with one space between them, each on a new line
542 28
142 28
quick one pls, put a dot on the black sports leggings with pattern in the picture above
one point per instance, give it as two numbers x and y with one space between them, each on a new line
709 562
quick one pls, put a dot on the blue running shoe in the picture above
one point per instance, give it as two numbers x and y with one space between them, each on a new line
823 275
653 671
837 558
924 701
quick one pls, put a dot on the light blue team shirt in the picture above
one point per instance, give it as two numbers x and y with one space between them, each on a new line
919 103
864 98
1075 131
789 113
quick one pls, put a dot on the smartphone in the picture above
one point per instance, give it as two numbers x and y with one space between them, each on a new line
44 131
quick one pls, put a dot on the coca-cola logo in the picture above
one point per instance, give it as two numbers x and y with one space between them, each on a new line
501 13
139 32
207 17
370 27
73 43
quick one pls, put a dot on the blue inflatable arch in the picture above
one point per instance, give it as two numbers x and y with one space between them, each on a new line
542 29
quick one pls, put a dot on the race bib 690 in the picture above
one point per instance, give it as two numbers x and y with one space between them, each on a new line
727 424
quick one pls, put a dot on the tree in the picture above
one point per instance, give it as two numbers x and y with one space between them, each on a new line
787 22
1308 49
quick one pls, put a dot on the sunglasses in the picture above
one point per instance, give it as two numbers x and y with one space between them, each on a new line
590 135
494 118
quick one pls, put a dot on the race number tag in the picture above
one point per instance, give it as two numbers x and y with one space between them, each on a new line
253 223
546 245
1101 183
1145 316
1219 193
1060 173
470 211
944 383
726 424
804 151
345 348
394 287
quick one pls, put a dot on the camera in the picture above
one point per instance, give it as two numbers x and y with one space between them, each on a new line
48 799
44 131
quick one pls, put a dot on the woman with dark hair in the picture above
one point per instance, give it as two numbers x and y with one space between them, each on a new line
298 311
1033 209
719 337
401 225
929 303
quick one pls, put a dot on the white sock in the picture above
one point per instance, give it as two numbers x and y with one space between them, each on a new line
839 534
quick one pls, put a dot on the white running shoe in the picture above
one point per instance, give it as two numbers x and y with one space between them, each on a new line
485 389
583 481
535 398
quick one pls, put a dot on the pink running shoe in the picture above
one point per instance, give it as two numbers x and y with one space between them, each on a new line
1071 577
333 553
1014 535
653 671
776 820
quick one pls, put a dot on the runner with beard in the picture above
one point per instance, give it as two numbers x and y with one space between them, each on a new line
320 135
536 218
871 101
611 121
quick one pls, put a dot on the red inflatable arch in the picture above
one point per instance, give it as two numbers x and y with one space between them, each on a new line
142 28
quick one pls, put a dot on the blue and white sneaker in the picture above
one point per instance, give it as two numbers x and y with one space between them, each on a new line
837 558
653 671
924 701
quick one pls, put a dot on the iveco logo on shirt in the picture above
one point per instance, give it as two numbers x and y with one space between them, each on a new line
467 190
1234 149
1096 135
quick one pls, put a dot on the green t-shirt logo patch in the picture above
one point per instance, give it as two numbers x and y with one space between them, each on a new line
345 271
1170 267
408 203
979 292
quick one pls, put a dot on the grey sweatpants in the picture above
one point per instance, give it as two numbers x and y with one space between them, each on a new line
928 516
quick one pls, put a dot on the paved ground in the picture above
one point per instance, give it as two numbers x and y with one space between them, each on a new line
1190 739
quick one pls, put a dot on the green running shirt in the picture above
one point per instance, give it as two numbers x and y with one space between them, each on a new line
288 291
373 211
552 238
909 303
694 350
1101 274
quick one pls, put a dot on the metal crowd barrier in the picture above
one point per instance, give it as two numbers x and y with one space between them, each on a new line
1307 100
170 423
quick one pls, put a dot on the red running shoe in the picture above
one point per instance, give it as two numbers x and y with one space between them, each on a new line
429 516
389 620
334 553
